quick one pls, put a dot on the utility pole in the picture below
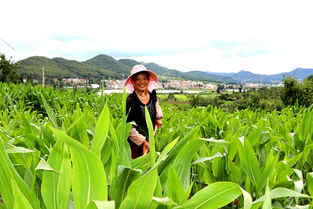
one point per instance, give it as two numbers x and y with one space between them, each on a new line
43 77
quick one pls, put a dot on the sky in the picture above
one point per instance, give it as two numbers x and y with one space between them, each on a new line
260 36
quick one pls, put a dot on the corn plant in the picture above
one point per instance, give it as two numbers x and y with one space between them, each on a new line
69 150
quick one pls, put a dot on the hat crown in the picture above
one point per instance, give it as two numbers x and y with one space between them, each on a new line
137 69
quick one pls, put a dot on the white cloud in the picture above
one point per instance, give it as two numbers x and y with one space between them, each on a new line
260 36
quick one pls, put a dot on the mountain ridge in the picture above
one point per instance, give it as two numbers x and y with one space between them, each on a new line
106 67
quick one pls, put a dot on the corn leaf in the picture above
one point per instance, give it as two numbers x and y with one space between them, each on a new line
79 128
123 180
281 192
56 184
49 111
89 178
43 165
140 192
9 174
164 153
268 171
267 204
309 178
124 129
213 196
2 206
143 162
19 199
101 205
151 135
19 150
177 148
164 201
101 132
248 160
247 199
175 188
183 160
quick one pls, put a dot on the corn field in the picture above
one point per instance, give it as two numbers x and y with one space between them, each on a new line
69 149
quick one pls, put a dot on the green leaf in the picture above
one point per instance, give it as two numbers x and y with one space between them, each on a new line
247 202
267 204
89 178
175 188
125 177
282 192
19 199
268 171
143 162
213 196
9 174
78 128
177 148
309 178
203 159
164 200
183 160
140 192
56 184
19 150
298 183
151 135
49 111
123 128
164 152
101 132
43 165
2 206
120 143
101 205
248 160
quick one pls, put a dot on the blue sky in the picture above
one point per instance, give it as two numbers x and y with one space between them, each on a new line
265 37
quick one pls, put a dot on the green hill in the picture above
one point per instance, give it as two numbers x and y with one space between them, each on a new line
109 63
129 62
61 68
99 67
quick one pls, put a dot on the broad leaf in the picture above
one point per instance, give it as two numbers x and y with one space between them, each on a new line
89 178
213 196
56 184
140 192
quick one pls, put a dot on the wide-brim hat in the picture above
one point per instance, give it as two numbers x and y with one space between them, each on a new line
153 78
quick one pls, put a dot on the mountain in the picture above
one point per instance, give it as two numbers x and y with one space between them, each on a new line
300 73
167 73
109 63
60 68
101 66
106 67
248 77
129 62
214 77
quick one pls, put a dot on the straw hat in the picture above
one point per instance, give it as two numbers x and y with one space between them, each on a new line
140 68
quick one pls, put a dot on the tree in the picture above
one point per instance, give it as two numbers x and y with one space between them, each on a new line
291 91
294 91
8 71
307 95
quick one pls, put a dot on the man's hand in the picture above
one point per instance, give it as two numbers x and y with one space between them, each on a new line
145 147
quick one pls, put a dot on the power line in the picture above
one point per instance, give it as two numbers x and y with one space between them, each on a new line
7 44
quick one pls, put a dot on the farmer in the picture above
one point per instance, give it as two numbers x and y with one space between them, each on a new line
141 85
